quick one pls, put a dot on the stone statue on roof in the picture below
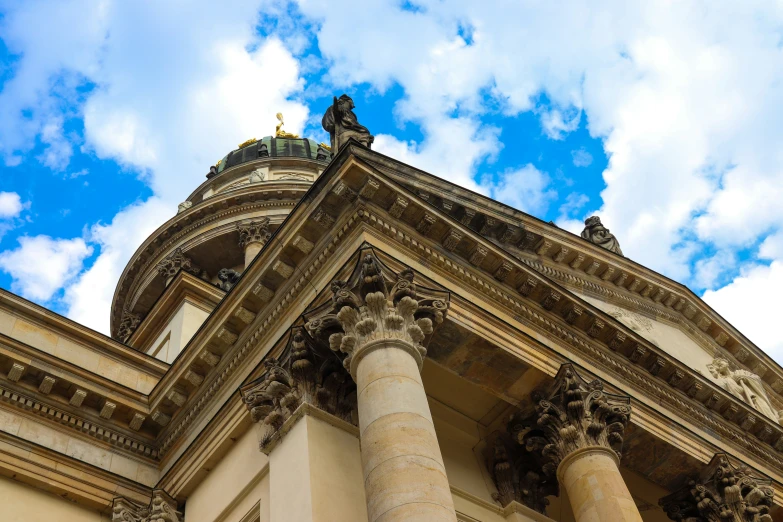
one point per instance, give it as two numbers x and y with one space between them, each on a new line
596 233
744 385
341 124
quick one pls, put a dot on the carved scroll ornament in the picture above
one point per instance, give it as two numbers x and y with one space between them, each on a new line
723 493
376 305
175 262
253 232
574 414
517 474
128 324
305 373
162 508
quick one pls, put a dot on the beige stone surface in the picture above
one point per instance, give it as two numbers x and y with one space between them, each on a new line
404 475
233 486
668 338
315 475
596 488
180 329
22 503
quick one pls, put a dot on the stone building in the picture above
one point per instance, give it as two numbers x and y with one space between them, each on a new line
327 334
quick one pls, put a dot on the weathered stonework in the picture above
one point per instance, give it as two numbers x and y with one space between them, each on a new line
253 232
724 492
175 262
306 372
162 508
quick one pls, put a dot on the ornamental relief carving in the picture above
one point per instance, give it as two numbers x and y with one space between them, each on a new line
723 493
162 508
636 322
745 385
305 373
377 304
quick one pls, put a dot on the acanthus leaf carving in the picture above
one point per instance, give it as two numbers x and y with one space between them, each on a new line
376 304
162 508
722 493
254 232
175 262
517 474
305 373
575 414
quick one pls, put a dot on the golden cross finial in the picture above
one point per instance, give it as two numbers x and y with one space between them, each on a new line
279 132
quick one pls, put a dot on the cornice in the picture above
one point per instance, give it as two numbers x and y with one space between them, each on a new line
597 336
80 334
549 242
168 235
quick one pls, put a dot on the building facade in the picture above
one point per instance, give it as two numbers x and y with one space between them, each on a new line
322 333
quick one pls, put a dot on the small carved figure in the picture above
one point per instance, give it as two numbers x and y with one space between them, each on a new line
341 124
596 233
228 278
744 384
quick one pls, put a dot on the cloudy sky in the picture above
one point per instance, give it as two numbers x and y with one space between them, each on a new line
666 118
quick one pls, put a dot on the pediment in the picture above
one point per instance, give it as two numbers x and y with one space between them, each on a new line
582 266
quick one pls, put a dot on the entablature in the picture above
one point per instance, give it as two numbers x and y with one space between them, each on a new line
576 262
364 200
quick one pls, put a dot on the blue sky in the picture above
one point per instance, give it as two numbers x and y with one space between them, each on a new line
661 117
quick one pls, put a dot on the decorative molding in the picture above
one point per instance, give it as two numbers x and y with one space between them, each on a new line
175 262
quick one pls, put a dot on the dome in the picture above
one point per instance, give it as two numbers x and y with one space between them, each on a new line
274 147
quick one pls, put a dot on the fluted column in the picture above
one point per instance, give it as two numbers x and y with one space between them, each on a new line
379 324
579 431
253 236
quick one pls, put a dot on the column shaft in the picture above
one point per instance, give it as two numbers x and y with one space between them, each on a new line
404 475
595 487
251 251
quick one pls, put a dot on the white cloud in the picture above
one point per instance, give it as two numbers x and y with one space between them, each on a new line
526 189
166 106
89 297
749 303
581 158
40 265
10 205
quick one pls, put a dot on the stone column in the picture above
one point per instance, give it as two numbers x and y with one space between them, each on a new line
379 324
723 492
579 433
253 236
306 402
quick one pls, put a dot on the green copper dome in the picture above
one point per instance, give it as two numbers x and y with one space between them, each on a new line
272 147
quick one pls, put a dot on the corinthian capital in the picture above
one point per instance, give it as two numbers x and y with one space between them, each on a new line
375 305
722 493
253 232
575 414
162 508
305 374
175 262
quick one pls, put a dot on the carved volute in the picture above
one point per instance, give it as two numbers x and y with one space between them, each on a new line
254 232
175 262
723 493
305 373
517 473
162 508
128 325
574 414
375 305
